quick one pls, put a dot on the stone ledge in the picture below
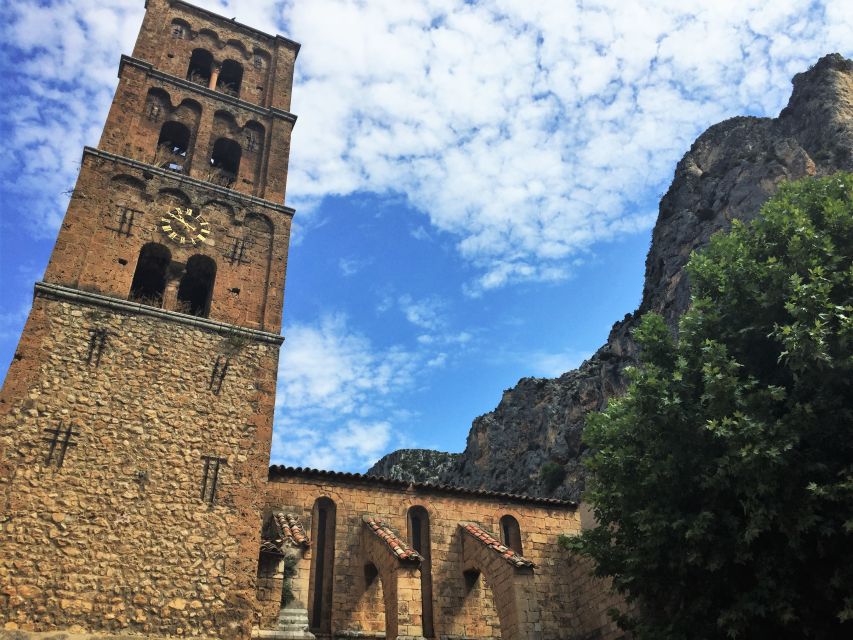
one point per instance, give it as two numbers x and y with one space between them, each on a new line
47 289
210 93
182 177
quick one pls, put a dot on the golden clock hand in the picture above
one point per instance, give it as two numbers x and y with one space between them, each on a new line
186 224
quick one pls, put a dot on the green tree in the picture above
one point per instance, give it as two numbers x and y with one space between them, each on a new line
723 480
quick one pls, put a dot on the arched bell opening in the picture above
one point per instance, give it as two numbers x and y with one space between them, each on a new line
149 279
224 162
196 286
230 78
200 67
172 146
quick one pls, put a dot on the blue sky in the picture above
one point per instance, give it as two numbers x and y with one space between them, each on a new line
475 182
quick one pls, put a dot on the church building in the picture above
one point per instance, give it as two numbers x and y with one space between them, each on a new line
136 496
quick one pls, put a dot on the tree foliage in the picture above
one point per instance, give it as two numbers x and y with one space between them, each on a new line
723 480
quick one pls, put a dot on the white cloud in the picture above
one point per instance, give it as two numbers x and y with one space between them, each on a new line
334 389
424 314
351 266
528 130
551 365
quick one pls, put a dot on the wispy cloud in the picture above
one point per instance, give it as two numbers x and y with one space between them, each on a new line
424 314
334 390
528 130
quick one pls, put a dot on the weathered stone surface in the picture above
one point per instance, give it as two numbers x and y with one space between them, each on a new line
414 465
727 174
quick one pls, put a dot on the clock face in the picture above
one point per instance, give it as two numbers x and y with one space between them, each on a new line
185 227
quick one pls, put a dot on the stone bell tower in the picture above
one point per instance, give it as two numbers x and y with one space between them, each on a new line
136 417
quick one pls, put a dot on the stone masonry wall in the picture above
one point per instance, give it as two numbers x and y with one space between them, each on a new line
119 537
98 249
461 610
267 85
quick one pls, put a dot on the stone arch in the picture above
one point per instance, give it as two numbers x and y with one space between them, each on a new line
398 568
158 104
180 29
235 44
224 124
230 77
218 211
224 163
320 589
253 143
150 273
511 533
477 617
128 182
511 576
254 136
195 289
261 60
368 617
168 198
173 145
200 66
210 36
253 255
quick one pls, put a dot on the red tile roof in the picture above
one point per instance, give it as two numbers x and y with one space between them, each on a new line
280 471
385 533
487 539
290 529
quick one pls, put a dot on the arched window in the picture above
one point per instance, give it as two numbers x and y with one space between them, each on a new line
225 162
419 539
172 146
180 29
230 78
196 286
322 568
201 65
149 279
511 534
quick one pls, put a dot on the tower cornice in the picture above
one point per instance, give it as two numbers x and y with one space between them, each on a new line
182 178
70 294
291 44
205 91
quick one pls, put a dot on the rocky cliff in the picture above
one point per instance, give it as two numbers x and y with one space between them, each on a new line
727 174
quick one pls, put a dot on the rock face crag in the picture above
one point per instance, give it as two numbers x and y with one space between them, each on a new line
415 465
727 174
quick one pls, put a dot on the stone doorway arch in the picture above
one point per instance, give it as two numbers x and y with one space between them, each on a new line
398 567
511 577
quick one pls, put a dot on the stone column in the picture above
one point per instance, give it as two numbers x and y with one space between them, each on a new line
214 75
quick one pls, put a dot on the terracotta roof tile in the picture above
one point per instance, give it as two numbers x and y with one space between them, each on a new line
488 540
285 530
280 471
385 533
291 530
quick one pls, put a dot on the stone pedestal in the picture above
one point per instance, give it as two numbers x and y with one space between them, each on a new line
292 625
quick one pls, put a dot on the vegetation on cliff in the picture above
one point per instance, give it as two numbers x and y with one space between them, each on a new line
723 481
